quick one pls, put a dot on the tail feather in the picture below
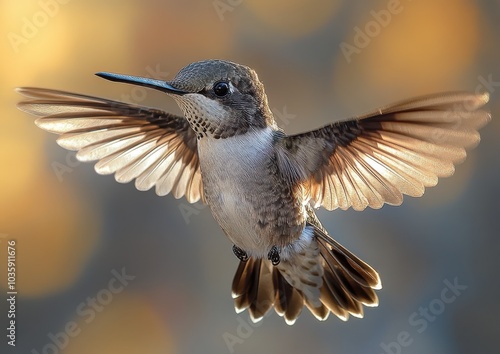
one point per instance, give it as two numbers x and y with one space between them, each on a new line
364 295
253 288
321 312
245 283
288 301
360 292
342 297
265 294
240 283
324 276
332 304
358 270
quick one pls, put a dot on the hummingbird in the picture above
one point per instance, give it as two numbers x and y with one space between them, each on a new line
262 185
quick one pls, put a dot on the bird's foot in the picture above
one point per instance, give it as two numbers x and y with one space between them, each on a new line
238 252
274 255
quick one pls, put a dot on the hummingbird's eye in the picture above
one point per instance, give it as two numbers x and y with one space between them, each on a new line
221 88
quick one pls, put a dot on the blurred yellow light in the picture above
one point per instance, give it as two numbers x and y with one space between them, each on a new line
127 325
21 152
174 27
426 46
430 44
31 31
55 234
295 18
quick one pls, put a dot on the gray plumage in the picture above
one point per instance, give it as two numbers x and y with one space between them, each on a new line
262 184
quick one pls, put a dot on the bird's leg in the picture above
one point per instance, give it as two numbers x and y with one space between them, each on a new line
238 252
274 256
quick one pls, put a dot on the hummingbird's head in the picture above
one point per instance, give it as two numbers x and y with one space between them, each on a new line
219 98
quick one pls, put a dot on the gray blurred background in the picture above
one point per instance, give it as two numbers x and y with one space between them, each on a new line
321 61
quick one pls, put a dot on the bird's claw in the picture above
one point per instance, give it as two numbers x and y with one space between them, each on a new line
274 256
240 254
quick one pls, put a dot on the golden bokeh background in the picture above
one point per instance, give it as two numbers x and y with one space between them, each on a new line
320 61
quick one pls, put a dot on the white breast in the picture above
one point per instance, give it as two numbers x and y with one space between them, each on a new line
232 171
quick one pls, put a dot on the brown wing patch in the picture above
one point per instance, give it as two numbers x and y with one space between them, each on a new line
380 156
151 146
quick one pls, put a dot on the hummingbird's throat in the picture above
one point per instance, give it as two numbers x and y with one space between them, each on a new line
209 118
203 115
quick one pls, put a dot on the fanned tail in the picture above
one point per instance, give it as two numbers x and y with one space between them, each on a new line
322 275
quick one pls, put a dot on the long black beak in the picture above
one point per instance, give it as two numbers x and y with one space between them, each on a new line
142 81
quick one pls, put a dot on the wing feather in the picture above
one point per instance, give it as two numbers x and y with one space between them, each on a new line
151 146
381 156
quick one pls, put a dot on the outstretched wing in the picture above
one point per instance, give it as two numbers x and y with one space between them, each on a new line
376 158
151 146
